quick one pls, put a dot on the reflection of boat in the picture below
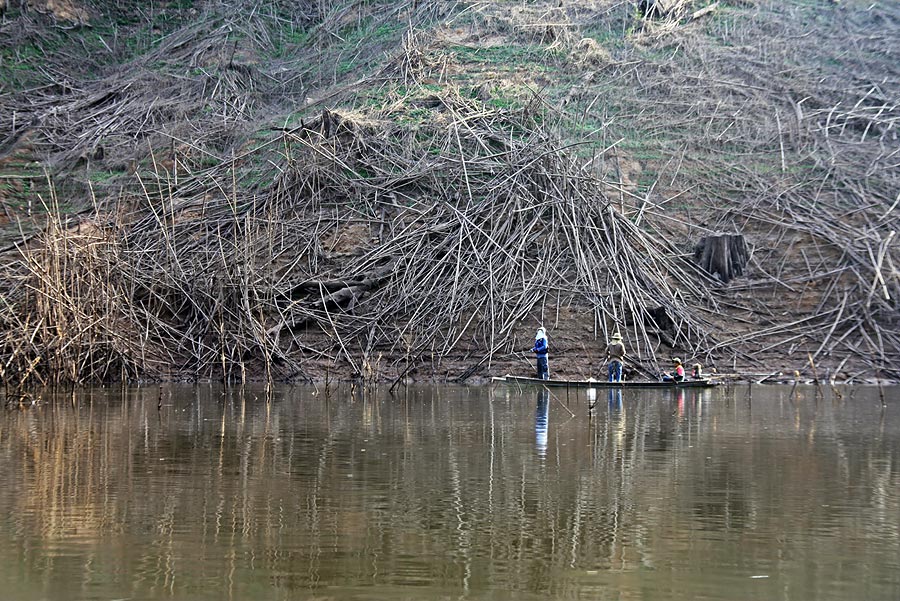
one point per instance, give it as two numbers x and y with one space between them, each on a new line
589 383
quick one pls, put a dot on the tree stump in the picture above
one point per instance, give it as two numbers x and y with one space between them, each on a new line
661 324
723 255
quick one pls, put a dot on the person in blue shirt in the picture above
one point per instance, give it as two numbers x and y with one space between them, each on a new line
540 349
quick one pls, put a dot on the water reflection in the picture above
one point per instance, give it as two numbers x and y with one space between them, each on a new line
542 414
438 493
614 399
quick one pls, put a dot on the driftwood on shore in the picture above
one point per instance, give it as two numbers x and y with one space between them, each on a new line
360 249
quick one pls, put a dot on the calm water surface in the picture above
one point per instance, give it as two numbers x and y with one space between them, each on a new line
452 493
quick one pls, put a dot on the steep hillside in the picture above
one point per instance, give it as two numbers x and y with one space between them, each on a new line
381 190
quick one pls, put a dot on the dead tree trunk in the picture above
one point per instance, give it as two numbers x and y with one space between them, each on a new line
722 255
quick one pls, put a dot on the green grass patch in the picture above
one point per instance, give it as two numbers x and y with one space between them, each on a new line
105 175
358 45
607 37
368 29
346 66
290 41
416 116
647 178
506 56
290 120
19 65
644 149
503 103
12 191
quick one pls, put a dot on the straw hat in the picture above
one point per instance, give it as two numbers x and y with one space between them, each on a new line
616 337
676 360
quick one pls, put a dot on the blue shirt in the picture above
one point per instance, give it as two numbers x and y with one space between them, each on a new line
540 347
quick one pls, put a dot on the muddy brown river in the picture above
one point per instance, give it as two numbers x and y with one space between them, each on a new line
439 493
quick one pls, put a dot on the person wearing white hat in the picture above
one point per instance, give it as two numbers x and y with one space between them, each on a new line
615 356
540 349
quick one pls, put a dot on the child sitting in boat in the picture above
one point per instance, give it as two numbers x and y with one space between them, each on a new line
678 376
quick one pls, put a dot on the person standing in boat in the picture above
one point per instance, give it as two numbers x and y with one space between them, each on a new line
678 376
615 356
540 349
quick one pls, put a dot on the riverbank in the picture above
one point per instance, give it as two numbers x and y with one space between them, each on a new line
384 191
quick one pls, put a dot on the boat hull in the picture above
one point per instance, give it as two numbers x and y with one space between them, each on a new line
521 380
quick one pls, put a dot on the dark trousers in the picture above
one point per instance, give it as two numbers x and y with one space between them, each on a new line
615 371
543 368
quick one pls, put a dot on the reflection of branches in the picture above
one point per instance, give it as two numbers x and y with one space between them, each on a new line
221 477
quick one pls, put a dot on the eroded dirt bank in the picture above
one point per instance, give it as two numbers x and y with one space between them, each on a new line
407 190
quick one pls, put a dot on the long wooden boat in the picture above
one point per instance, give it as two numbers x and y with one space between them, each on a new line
590 383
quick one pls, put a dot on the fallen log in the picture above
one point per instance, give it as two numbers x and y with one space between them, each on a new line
704 11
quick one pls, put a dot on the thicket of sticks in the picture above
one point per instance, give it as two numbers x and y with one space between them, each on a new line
375 241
